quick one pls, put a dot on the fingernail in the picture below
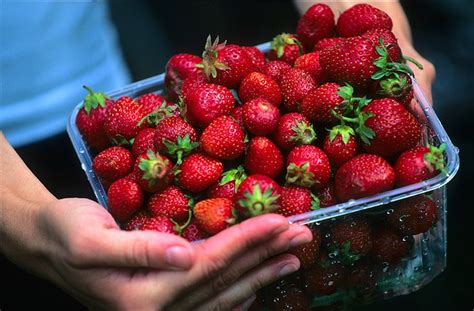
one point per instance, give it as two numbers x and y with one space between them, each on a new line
247 303
178 257
300 239
288 269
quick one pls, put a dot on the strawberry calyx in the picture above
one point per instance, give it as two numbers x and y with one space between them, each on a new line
343 130
154 168
343 254
159 113
300 175
257 203
395 85
305 133
183 146
180 228
93 99
120 140
435 158
210 62
315 202
237 175
282 40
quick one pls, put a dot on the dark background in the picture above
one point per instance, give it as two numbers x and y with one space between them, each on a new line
152 31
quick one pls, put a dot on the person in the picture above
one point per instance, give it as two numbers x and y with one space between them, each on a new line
75 243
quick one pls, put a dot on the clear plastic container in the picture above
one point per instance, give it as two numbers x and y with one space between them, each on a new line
427 256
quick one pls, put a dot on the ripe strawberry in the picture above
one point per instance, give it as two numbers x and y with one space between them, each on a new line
395 128
327 196
228 185
198 172
317 23
207 102
156 171
113 163
308 254
319 103
326 43
287 295
137 220
223 139
293 129
144 140
257 85
414 215
418 164
175 137
360 18
191 82
90 119
214 215
150 102
225 65
295 85
193 232
238 116
350 239
122 119
363 175
286 47
310 63
260 117
160 224
125 198
389 40
325 277
297 200
170 203
340 145
256 57
308 166
275 69
177 69
257 194
389 246
263 157
157 110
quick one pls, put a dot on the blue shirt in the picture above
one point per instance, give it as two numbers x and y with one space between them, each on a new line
48 50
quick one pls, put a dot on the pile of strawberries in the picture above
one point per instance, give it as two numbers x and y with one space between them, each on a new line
319 119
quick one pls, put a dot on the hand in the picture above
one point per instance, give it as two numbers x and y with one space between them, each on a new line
92 259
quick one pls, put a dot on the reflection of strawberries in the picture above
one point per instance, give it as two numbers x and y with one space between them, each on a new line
389 246
361 276
325 277
286 295
351 237
308 254
414 215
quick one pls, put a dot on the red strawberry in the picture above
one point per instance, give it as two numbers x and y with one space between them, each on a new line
144 140
340 145
308 254
160 224
223 139
360 18
389 40
198 172
177 69
156 171
207 102
295 85
150 102
191 82
263 157
157 110
258 85
260 117
228 185
137 220
319 103
363 175
293 129
214 215
389 246
351 238
297 200
170 203
225 65
113 163
308 166
326 42
310 63
325 277
286 47
122 119
125 198
193 232
275 69
257 194
327 195
395 128
317 23
414 215
256 57
90 119
175 137
238 116
418 164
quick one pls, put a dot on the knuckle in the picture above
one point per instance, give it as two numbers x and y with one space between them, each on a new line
214 266
138 253
222 280
78 251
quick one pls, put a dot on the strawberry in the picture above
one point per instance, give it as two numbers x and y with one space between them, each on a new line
144 140
295 85
214 215
395 128
256 57
191 82
325 277
388 245
319 103
198 172
350 239
91 118
275 69
418 164
263 157
122 119
287 295
378 35
286 47
327 195
156 171
160 224
237 114
137 220
225 65
260 117
308 166
362 276
113 163
228 185
150 102
257 194
414 215
193 232
297 200
360 18
177 69
340 145
293 129
258 85
125 198
175 137
170 203
326 43
308 254
157 110
363 175
207 102
310 63
397 86
317 23
223 139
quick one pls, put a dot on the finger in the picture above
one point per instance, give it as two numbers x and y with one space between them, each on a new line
246 304
252 281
